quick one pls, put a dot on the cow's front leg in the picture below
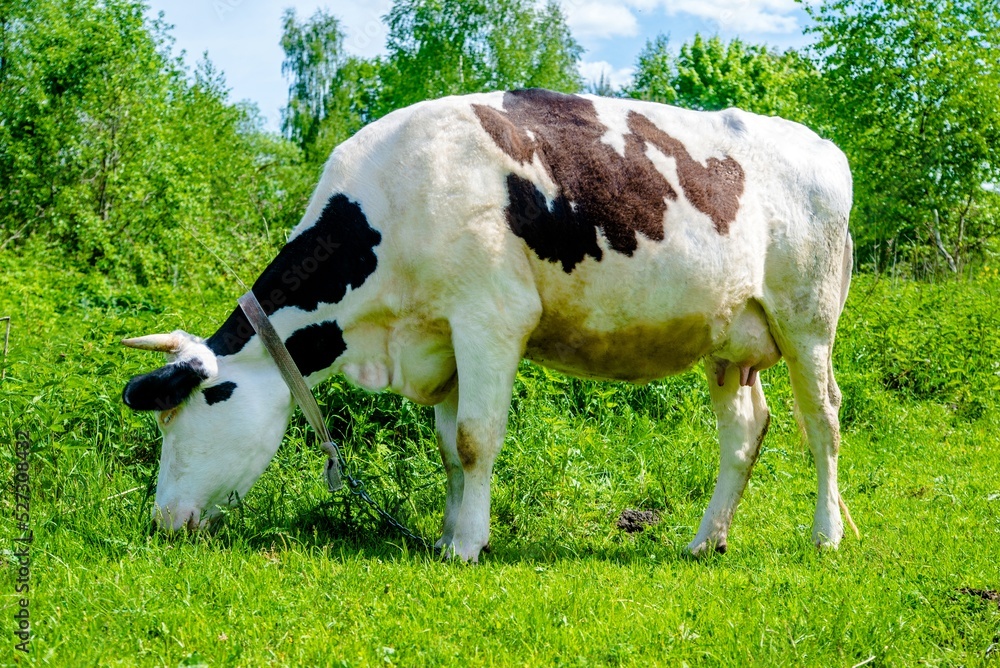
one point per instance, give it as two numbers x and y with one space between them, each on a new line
743 418
487 359
445 424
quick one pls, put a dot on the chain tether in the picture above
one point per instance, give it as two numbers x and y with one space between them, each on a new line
336 470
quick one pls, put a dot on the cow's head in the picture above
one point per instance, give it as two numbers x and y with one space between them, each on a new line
222 419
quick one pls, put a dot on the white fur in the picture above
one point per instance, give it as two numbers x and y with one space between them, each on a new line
458 298
212 455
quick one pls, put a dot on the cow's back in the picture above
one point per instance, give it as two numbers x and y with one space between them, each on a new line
640 229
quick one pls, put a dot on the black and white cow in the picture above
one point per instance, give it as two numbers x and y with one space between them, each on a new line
604 238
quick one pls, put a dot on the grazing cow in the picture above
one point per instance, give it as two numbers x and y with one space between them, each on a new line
605 238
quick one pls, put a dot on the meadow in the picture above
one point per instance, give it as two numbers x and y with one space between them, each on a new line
299 577
132 184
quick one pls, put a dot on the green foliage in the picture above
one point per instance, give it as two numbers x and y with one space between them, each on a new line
449 47
602 86
118 160
331 95
655 72
712 74
354 102
912 94
932 342
313 58
435 48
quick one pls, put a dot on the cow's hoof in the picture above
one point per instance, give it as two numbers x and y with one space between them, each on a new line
827 531
824 542
466 552
704 548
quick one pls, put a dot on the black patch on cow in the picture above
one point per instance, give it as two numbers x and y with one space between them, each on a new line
316 347
598 188
219 393
555 233
165 388
315 267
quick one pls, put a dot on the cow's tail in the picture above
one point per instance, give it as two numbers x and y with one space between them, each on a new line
847 516
847 268
845 284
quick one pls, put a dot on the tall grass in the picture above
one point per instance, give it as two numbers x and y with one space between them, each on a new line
297 577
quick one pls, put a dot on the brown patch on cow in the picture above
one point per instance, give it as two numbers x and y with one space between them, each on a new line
466 446
512 139
635 521
637 353
598 188
714 189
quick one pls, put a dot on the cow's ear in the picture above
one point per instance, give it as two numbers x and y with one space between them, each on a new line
165 388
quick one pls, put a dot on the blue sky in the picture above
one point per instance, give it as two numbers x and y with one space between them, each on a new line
241 36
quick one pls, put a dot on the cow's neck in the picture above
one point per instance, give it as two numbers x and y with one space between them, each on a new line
314 269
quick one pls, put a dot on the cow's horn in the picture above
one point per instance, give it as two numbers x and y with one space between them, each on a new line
166 343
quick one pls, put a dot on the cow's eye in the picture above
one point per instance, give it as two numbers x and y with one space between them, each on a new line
166 416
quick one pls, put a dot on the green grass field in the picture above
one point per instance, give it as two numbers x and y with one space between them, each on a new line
299 578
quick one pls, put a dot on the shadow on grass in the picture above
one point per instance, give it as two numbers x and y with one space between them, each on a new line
337 526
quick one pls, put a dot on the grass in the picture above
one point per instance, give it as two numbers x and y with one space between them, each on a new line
299 578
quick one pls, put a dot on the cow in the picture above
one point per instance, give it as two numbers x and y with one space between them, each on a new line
604 238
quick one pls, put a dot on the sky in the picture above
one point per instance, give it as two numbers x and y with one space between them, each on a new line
242 37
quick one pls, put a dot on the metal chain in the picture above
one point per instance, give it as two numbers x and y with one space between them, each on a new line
336 467
357 488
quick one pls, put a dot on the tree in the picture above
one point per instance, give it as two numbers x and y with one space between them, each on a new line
353 103
602 86
435 48
313 60
714 75
711 74
655 72
448 47
912 94
117 160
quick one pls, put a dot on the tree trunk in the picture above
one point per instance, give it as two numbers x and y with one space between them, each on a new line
936 234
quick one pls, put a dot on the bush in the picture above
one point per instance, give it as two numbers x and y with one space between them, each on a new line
116 159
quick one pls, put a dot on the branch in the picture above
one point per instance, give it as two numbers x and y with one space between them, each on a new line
961 225
936 234
15 236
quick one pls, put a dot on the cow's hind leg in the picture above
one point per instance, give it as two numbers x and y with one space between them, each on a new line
743 419
817 399
805 324
446 426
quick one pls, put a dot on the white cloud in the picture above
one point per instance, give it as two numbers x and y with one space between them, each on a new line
752 16
592 71
589 19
